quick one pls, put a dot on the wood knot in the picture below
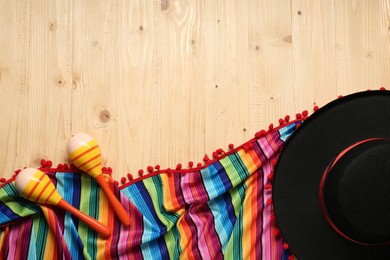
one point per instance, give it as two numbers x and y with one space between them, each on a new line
164 5
52 26
102 117
105 115
288 39
60 82
76 80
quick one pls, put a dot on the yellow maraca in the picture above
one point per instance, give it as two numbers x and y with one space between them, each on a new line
36 186
84 153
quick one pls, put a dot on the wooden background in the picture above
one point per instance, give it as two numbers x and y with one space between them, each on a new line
166 81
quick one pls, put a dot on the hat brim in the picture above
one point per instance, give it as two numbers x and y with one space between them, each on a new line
302 164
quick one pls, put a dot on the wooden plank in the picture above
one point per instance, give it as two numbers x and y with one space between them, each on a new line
362 45
38 87
314 58
12 81
115 96
270 62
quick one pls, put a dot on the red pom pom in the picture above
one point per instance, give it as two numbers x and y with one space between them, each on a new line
274 162
17 171
141 172
382 88
231 146
270 176
206 158
268 186
157 167
49 163
291 257
59 166
191 163
269 201
3 180
215 155
272 218
276 232
315 108
271 126
129 176
220 151
150 169
305 113
298 116
104 170
178 166
260 134
123 180
199 165
285 246
287 118
116 183
340 96
281 121
43 163
248 146
65 166
72 166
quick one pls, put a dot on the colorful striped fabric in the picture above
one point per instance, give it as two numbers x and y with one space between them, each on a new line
221 210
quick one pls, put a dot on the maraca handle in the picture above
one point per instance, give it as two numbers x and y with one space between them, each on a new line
116 205
91 222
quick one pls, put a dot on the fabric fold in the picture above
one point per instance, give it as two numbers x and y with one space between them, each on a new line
221 210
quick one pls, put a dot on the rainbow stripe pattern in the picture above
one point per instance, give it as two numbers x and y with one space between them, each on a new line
222 210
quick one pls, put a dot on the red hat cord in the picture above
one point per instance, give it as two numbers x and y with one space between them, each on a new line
322 188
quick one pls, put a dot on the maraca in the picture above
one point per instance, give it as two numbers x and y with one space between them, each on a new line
36 186
84 153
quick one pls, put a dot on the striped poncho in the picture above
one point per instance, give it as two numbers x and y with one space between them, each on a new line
220 210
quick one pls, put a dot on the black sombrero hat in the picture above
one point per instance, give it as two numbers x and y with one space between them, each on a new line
331 187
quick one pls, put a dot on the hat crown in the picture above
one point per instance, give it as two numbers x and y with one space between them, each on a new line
356 192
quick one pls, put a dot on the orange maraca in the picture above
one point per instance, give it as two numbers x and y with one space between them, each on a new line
36 186
84 153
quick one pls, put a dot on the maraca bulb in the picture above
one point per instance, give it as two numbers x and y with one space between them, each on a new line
36 186
84 153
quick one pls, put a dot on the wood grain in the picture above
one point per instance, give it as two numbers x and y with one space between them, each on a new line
164 82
